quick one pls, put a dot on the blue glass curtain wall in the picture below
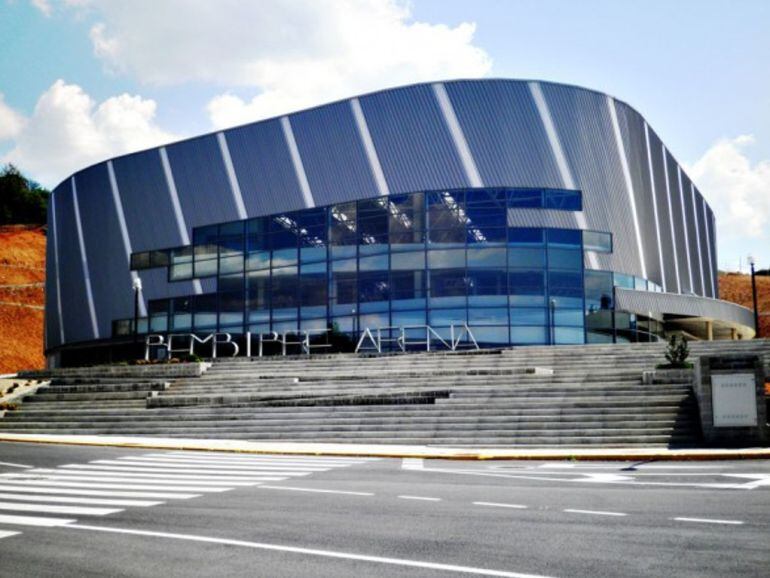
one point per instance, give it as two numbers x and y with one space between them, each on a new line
437 258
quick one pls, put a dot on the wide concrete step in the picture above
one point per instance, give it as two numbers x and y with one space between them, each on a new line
103 388
94 397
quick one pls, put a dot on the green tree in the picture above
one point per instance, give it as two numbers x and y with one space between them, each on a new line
22 201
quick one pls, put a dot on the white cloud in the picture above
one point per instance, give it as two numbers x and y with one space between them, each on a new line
739 193
11 122
44 6
293 53
68 130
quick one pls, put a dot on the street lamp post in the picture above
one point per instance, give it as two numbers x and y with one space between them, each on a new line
137 287
754 296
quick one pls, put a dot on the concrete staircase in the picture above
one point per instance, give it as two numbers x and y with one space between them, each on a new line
595 395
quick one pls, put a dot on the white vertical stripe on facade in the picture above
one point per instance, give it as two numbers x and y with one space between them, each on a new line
697 236
296 160
231 176
671 221
371 152
716 250
629 182
558 155
684 226
458 137
708 245
179 216
84 261
55 239
655 208
124 229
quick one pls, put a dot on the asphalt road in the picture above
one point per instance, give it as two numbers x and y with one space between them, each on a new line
83 511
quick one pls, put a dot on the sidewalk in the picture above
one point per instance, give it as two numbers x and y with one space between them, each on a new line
395 451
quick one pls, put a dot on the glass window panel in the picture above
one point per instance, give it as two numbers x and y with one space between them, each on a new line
206 240
445 259
525 237
491 316
565 259
373 287
490 335
258 329
312 227
486 208
140 261
307 324
571 317
598 290
624 281
205 268
231 306
159 323
486 282
444 236
597 241
180 272
374 321
258 260
406 318
446 210
316 311
181 255
159 258
447 317
528 316
407 215
257 242
312 254
205 311
378 263
525 198
598 337
346 265
537 335
407 286
230 283
344 324
563 200
569 335
257 290
346 252
285 326
377 247
232 264
526 258
285 271
407 261
486 257
487 235
526 283
344 288
308 268
313 290
565 289
342 224
283 291
640 284
448 283
284 257
564 237
231 239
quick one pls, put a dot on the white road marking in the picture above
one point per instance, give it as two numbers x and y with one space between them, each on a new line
423 498
500 505
188 471
708 521
317 490
173 474
71 500
12 465
22 487
595 512
5 534
412 464
120 479
313 552
150 478
173 465
332 461
34 521
227 463
53 509
603 478
120 486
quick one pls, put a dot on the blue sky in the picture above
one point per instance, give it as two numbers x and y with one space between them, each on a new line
82 80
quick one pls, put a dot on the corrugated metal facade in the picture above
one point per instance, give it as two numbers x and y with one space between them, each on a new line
416 141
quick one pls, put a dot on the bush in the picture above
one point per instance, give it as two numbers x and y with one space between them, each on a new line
677 353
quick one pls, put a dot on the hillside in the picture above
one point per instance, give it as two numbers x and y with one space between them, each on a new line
736 287
22 273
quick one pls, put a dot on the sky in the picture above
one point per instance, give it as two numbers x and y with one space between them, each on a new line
85 80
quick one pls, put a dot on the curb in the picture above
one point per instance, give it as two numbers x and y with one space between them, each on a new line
386 451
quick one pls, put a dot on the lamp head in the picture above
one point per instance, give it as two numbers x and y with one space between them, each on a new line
137 284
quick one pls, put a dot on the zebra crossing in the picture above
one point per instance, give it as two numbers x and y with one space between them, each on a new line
51 497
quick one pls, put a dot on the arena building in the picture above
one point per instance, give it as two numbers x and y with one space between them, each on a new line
509 212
